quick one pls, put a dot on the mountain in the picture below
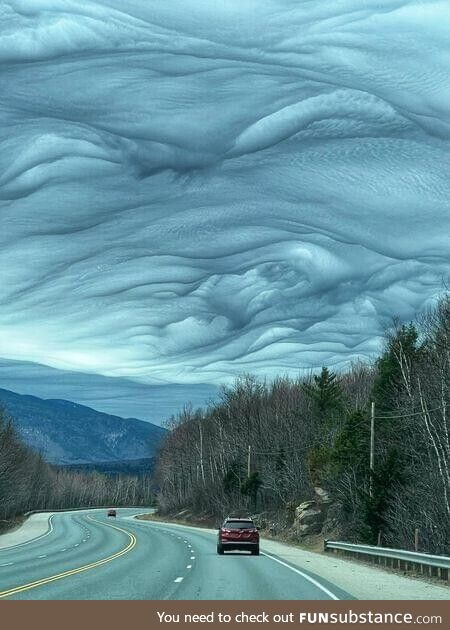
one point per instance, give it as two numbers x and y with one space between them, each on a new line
68 433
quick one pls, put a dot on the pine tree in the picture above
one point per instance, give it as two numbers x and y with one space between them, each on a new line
251 486
351 446
401 349
326 395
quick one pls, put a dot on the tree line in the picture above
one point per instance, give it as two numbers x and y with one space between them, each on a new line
264 446
28 482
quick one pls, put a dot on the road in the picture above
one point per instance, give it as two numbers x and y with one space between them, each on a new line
86 555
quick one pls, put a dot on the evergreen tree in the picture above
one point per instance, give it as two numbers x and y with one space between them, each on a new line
251 486
385 478
352 444
326 394
401 349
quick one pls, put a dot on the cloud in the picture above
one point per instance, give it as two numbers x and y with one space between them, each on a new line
117 396
190 190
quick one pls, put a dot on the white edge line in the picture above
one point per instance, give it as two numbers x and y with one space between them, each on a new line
27 542
304 575
288 566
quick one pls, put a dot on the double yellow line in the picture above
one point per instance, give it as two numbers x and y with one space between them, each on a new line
87 567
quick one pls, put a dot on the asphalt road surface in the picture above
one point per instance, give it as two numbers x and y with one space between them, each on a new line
86 555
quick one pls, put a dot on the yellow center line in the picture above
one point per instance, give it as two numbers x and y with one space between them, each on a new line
86 567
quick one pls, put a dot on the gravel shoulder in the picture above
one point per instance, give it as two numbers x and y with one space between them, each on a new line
356 578
360 580
35 526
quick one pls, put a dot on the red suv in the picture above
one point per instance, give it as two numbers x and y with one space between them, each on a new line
238 533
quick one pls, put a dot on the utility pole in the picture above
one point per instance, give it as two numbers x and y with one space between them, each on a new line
249 460
372 445
202 469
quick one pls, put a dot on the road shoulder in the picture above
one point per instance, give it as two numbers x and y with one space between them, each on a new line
361 581
36 526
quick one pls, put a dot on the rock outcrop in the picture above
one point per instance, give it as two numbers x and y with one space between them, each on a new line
311 516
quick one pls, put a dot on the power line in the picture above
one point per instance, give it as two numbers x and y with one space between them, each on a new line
280 451
409 415
284 451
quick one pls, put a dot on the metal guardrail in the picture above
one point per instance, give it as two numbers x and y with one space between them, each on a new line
90 507
438 566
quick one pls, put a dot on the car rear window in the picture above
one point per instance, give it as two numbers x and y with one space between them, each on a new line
239 525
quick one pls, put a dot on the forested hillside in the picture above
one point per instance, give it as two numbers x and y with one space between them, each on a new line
296 435
68 433
28 482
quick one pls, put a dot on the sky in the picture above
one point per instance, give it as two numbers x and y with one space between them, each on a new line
191 190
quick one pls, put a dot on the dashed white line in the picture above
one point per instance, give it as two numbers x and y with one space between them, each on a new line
63 550
189 566
192 558
7 564
179 579
44 556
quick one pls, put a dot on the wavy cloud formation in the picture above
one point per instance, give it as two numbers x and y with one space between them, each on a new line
190 189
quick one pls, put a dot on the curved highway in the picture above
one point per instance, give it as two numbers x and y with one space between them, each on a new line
86 555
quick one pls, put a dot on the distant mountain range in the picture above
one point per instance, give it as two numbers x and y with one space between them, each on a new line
68 433
134 467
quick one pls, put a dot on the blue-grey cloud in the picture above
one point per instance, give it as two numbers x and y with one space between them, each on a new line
190 190
117 396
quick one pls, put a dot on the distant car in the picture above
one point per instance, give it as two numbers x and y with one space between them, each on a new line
112 512
238 533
